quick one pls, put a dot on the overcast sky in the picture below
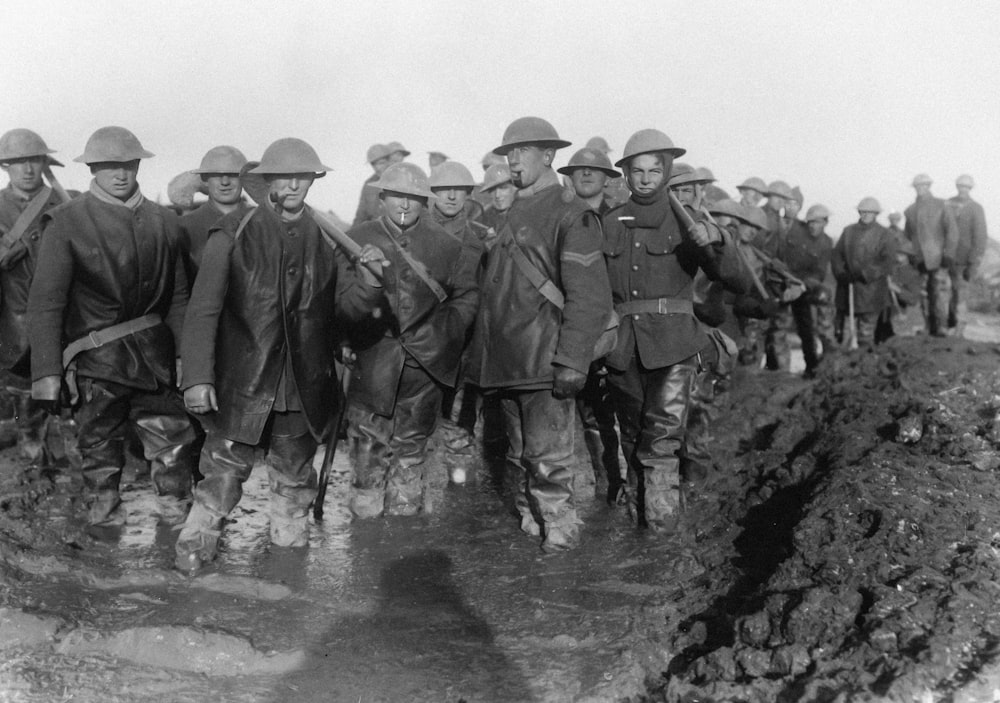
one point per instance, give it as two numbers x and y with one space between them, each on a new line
845 99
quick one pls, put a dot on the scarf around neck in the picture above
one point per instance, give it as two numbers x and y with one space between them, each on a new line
546 180
133 202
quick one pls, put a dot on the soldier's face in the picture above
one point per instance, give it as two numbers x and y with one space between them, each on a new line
401 208
588 182
816 227
450 201
686 194
748 196
963 191
223 188
290 189
503 196
923 189
646 173
866 218
380 165
26 174
792 208
747 232
528 163
117 179
396 156
776 202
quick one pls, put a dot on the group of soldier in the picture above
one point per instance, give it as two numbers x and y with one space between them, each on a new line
624 294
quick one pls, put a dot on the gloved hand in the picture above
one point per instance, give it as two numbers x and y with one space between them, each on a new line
702 235
567 382
793 292
45 394
200 399
370 262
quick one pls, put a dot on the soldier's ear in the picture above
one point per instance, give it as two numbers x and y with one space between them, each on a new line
549 155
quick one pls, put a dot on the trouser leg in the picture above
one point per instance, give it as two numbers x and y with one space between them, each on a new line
776 340
751 343
291 478
596 411
368 435
29 421
824 327
802 312
938 286
414 418
102 417
516 476
957 289
168 441
866 323
696 457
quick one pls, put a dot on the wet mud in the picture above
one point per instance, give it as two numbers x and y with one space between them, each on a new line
844 548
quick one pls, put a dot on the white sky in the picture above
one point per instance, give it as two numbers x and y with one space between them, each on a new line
846 99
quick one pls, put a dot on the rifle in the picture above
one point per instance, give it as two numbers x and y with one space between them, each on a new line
337 427
853 344
257 188
56 185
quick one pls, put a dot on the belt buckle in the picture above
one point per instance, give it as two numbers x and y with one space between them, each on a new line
661 305
94 339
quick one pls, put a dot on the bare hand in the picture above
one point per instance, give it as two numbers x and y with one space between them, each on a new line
702 235
200 399
372 260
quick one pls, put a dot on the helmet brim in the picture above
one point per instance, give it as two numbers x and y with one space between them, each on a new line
673 151
504 149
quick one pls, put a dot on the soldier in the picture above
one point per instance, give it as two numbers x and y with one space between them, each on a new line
779 194
220 172
110 279
686 186
454 209
497 185
752 191
895 230
24 156
258 348
410 353
777 349
589 170
368 206
652 258
397 152
434 158
807 254
862 260
972 238
933 232
489 159
544 305
712 193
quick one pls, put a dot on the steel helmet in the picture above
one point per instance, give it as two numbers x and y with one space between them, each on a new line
490 159
23 144
704 174
648 141
682 174
965 180
115 144
222 159
599 143
869 204
405 178
754 217
376 152
589 157
817 212
393 147
753 183
728 207
451 174
496 175
921 179
797 196
530 130
895 216
781 189
290 155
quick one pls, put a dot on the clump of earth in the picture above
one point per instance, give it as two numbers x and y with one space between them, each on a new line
845 547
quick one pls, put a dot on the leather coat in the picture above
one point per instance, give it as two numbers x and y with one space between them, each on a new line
412 322
99 265
16 271
931 228
864 256
195 226
265 304
519 334
972 236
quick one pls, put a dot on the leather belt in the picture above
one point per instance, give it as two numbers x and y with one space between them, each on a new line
98 338
658 306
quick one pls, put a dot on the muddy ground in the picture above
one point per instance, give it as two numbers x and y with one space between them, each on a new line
846 547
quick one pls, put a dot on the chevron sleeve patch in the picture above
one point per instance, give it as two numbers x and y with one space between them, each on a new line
585 260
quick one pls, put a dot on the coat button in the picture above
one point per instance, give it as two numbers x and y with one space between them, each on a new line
404 241
292 270
635 317
635 293
638 244
635 267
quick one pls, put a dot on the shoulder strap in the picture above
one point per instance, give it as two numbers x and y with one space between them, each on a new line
244 222
417 267
24 221
542 283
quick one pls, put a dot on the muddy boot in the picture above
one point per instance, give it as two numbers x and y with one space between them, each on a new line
367 502
198 540
633 495
289 525
104 509
404 492
662 499
562 534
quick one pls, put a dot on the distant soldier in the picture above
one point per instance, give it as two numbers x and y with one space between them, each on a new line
545 303
453 208
862 261
752 191
894 229
933 232
712 192
652 257
807 254
589 170
397 152
972 238
409 354
368 206
220 172
489 159
615 190
777 349
686 186
258 350
106 305
435 158
24 156
779 194
501 191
